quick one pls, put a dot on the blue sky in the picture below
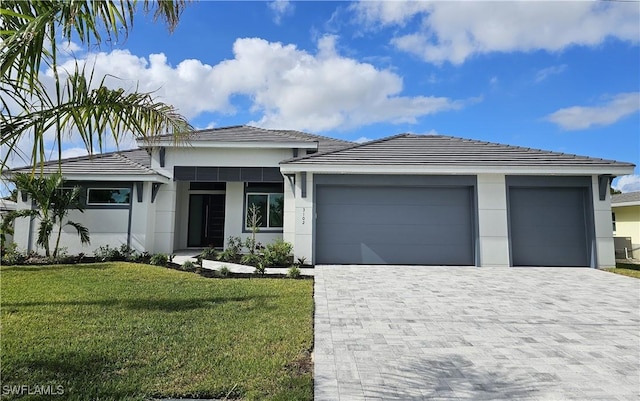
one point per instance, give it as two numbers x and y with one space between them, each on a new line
553 75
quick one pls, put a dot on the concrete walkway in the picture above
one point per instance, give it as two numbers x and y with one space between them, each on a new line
458 333
184 255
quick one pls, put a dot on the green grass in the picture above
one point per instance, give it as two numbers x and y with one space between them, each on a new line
625 272
128 331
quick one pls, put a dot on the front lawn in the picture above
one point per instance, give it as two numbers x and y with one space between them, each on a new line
122 330
625 272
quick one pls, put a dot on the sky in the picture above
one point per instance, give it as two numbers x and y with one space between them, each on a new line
560 76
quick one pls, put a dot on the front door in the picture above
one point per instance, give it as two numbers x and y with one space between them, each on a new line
206 220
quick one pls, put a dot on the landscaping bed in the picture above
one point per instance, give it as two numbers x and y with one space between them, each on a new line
122 330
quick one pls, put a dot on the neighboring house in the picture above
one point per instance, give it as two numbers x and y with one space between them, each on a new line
626 221
7 206
406 199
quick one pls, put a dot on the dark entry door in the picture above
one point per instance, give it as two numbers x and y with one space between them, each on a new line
206 220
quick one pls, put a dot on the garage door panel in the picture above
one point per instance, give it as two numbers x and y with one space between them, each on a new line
396 215
372 253
394 225
548 226
397 235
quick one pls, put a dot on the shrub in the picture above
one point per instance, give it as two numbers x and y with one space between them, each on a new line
126 252
293 272
278 253
106 254
188 266
301 261
209 254
144 257
12 255
233 251
159 259
251 259
261 269
224 271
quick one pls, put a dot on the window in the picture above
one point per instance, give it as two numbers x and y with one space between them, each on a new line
269 202
108 196
613 220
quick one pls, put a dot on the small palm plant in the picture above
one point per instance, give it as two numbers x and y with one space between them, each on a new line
52 205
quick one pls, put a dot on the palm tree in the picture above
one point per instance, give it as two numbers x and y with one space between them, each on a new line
53 203
29 33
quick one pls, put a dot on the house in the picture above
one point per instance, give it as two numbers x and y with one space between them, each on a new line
626 222
405 199
7 206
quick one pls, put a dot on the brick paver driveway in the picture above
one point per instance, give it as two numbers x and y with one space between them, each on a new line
429 333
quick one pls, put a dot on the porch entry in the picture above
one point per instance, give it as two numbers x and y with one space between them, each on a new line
206 220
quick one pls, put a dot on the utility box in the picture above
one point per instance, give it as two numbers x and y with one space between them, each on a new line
623 247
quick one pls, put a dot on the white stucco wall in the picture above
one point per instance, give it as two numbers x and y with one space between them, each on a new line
603 225
142 219
289 213
165 218
304 220
106 227
492 220
220 157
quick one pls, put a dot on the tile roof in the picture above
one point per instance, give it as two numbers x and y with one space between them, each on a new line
246 133
625 198
440 150
127 162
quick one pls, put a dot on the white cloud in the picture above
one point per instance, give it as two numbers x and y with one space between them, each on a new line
73 152
288 87
583 117
454 31
280 9
362 139
627 183
547 72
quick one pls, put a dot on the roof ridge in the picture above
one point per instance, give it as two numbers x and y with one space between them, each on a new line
355 145
316 135
128 160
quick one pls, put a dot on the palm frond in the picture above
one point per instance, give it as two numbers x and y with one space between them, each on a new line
95 113
45 228
28 38
83 231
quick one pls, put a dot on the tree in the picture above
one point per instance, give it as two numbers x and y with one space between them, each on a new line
29 34
53 203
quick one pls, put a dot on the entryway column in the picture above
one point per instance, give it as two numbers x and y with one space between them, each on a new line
305 217
492 219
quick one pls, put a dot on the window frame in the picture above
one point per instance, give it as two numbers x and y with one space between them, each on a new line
89 203
266 218
613 222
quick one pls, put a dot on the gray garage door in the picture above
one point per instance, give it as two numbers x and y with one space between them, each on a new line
394 225
548 227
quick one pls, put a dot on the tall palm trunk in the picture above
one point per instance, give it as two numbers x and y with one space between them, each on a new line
55 250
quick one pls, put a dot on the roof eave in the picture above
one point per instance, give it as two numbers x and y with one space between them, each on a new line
625 204
159 178
292 167
118 177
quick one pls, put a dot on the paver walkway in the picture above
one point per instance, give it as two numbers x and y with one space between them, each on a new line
459 333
